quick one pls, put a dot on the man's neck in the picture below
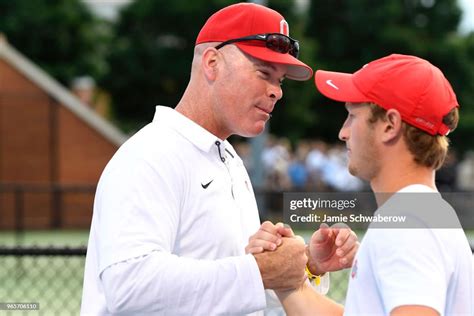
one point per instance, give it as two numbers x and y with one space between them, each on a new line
194 104
393 179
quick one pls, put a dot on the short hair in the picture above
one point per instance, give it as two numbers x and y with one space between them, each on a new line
427 150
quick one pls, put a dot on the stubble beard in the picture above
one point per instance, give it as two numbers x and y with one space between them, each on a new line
367 166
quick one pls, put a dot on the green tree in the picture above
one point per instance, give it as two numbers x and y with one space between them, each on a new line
352 32
61 36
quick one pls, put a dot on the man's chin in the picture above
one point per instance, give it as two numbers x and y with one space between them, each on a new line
354 171
254 132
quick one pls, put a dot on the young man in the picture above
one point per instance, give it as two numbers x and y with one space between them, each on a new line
400 109
174 207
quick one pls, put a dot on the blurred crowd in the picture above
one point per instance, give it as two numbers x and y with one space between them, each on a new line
314 165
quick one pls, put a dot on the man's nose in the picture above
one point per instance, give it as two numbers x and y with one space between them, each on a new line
343 133
275 92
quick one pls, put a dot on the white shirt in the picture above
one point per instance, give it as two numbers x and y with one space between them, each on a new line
171 221
412 266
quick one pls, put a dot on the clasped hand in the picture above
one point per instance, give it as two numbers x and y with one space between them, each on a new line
329 249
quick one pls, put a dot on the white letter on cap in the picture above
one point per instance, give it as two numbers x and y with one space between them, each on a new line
284 28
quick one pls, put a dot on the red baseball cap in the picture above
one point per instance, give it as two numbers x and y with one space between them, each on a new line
409 84
245 19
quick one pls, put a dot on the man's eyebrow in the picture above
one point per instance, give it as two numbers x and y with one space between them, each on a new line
266 65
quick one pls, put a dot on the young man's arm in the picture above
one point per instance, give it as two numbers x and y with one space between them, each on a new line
305 301
413 310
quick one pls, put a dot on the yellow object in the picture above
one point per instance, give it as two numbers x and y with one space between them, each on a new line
312 277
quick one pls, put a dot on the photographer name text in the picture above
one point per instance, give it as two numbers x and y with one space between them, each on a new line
352 218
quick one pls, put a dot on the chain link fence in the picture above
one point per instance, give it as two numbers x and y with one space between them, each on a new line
50 277
53 277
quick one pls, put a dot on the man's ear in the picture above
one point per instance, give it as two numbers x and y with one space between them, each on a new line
209 62
392 125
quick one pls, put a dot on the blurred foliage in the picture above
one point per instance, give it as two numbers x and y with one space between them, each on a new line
354 32
62 36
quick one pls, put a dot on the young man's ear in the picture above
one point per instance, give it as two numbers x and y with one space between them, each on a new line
209 62
392 125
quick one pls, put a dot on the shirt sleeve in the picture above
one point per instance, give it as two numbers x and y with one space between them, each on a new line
138 214
164 283
410 268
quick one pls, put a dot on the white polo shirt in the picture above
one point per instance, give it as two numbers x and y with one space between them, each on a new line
173 212
413 266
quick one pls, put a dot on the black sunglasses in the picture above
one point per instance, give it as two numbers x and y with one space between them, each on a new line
275 41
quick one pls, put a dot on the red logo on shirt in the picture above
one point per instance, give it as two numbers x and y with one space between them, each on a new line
354 269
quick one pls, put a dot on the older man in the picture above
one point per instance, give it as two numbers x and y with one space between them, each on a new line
174 207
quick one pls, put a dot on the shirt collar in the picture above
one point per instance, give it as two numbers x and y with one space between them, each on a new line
196 134
417 188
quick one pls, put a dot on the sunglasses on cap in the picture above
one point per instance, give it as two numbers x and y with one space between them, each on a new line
275 41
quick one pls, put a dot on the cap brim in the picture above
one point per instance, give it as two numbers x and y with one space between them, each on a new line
338 86
296 70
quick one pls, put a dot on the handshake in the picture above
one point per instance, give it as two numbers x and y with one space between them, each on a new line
283 257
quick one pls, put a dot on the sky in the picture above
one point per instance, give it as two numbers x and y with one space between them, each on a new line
109 8
467 22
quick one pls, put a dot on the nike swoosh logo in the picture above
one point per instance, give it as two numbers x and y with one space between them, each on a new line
329 83
204 186
262 36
